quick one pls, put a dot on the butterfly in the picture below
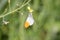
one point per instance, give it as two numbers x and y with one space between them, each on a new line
29 21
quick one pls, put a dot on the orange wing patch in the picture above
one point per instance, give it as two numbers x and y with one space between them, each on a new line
27 24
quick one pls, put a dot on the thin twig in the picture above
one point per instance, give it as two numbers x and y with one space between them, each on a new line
24 2
15 10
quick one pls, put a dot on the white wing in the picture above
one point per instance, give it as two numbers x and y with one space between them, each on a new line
30 19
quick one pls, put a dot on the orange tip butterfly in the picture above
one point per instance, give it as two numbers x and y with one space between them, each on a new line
29 21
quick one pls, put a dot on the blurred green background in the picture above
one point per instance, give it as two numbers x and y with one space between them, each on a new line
46 14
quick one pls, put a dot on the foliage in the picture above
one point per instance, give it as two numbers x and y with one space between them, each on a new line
46 14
